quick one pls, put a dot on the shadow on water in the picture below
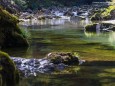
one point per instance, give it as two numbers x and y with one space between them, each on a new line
61 80
107 47
99 63
20 51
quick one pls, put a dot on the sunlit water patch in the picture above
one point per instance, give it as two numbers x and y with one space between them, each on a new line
104 38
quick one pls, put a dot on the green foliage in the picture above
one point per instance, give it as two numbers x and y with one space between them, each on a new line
108 11
107 14
25 33
75 54
33 4
21 3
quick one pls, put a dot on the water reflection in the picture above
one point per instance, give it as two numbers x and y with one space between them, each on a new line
104 38
44 22
55 23
112 38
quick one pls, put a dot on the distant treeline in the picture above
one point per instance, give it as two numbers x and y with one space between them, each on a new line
37 4
77 2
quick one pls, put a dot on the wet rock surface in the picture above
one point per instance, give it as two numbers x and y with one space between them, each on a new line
55 13
61 57
32 67
100 27
8 72
59 12
10 34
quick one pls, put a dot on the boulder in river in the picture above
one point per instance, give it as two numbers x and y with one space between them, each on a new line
63 57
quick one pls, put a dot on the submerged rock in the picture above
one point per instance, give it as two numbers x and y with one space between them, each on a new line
8 72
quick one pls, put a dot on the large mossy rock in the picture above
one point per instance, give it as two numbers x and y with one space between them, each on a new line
63 57
107 14
9 75
10 34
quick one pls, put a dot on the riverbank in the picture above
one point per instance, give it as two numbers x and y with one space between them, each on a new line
61 12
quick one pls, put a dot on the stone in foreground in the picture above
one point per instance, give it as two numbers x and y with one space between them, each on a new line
8 72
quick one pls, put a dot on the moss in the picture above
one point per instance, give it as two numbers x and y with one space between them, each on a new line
107 14
8 19
63 57
9 74
96 16
26 33
10 34
108 10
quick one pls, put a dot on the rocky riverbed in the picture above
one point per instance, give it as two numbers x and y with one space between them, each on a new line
56 12
49 64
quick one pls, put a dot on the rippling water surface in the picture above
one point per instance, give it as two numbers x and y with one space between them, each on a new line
68 35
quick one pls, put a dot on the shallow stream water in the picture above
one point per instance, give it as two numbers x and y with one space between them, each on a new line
69 36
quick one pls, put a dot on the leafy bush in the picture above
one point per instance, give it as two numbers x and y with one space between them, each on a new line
21 3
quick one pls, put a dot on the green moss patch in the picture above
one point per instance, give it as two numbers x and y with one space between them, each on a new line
63 57
10 34
8 73
107 14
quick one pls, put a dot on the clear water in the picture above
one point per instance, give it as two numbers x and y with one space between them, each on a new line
68 35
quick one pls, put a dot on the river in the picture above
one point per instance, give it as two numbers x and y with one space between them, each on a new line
69 36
